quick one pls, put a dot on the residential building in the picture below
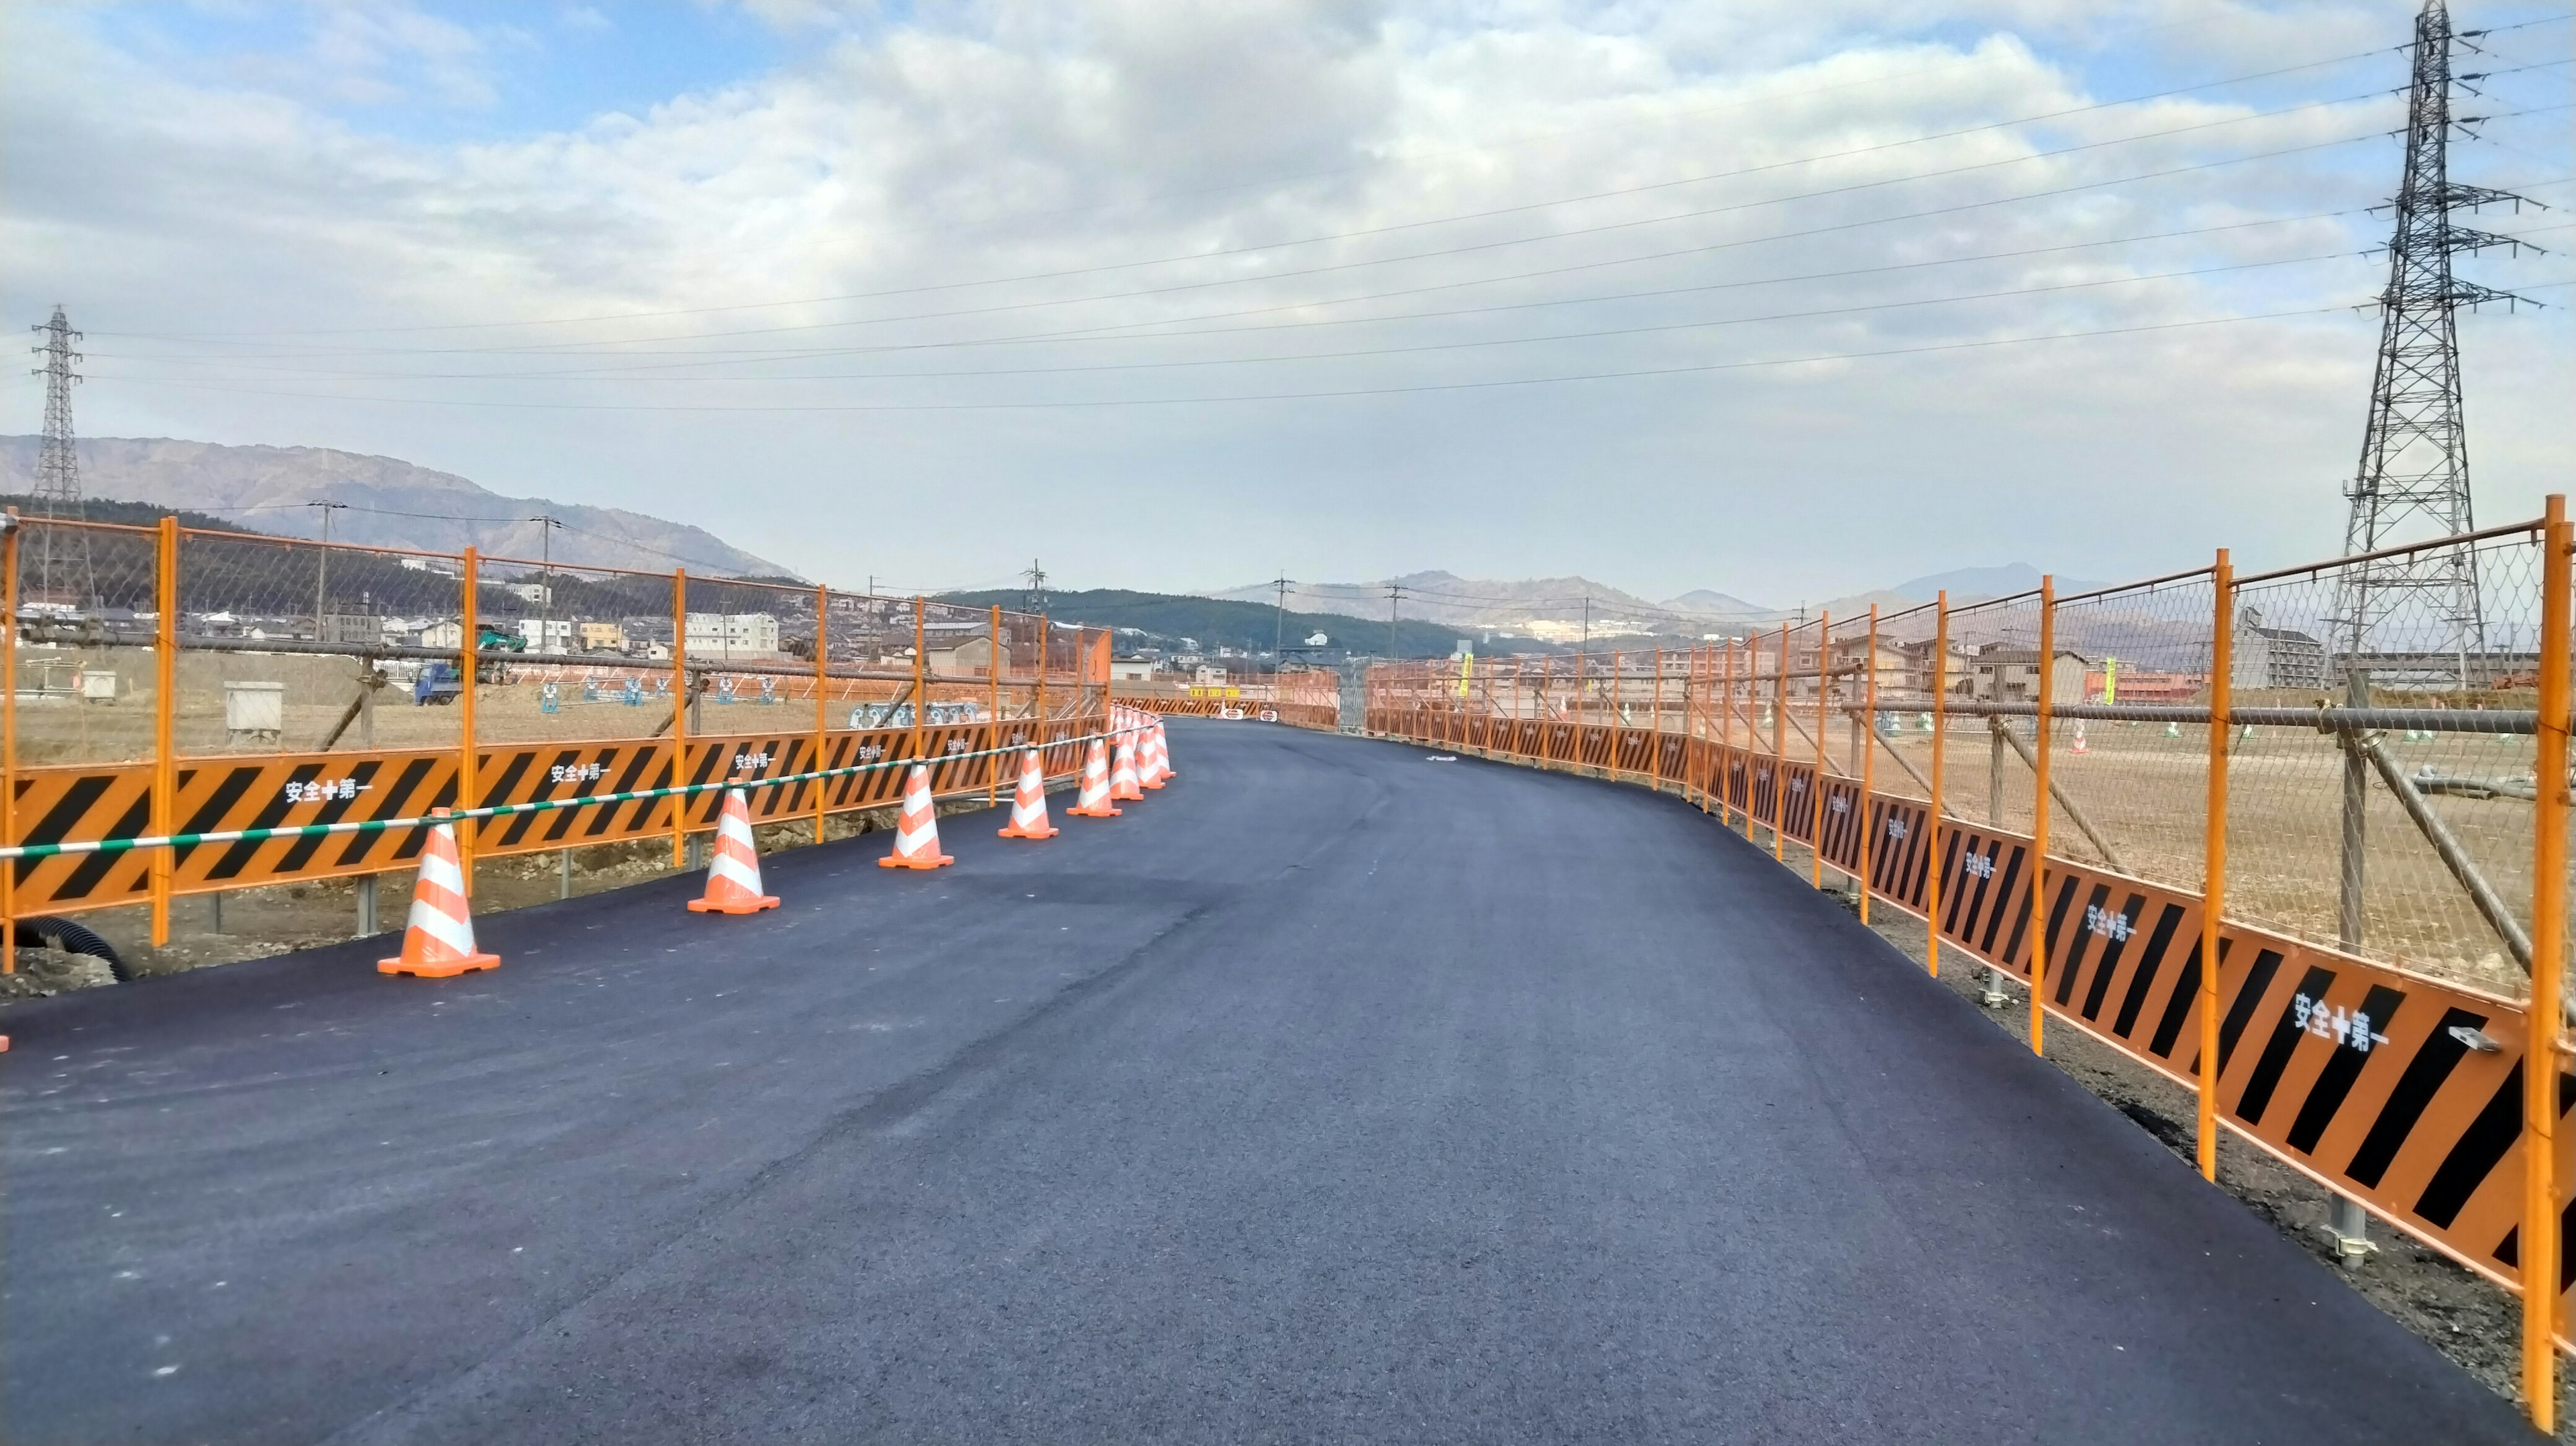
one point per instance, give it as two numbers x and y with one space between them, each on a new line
2275 657
1917 673
2011 675
733 635
600 637
1131 670
547 635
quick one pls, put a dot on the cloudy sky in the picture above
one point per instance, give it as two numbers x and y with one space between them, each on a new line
1786 298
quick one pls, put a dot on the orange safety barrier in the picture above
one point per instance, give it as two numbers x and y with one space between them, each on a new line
2366 1048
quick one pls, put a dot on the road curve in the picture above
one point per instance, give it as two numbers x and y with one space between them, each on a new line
1333 1093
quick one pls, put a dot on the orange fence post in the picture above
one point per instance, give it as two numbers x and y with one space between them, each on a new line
1658 744
921 681
1940 736
2213 881
1816 785
469 644
822 705
2540 1068
1037 700
165 715
993 729
679 714
9 741
1868 764
2039 811
1779 740
1726 746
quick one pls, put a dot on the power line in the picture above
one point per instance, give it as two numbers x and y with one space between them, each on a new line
1321 395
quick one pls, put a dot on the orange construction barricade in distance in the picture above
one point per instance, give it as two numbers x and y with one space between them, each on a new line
916 834
1028 807
1094 802
439 942
733 870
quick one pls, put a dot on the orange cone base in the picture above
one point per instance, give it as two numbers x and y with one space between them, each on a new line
933 862
1104 811
710 906
1027 832
447 970
1157 783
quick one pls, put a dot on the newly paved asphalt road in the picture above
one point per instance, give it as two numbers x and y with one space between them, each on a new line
1332 1094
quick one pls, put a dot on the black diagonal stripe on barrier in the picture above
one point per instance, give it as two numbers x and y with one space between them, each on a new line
2287 1031
2005 904
83 794
2425 1075
2475 1155
2178 1006
2335 1081
336 807
94 869
397 795
237 856
711 760
1918 856
521 823
489 789
1967 900
2258 981
628 780
2077 940
796 763
2020 912
2143 982
2112 952
219 803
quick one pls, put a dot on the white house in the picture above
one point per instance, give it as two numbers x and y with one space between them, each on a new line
733 635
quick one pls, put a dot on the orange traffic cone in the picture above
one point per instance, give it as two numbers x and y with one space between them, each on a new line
1028 808
440 940
1094 802
1149 760
2079 736
1122 772
916 834
733 871
1163 753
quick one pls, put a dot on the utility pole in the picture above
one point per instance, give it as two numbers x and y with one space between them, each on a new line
1394 595
322 572
1036 600
1279 628
2414 465
546 581
58 487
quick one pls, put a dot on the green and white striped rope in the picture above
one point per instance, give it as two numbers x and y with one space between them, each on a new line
505 810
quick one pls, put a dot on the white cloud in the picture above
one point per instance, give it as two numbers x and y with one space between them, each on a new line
898 160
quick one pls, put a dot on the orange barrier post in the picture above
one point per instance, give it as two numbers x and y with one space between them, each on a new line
733 867
469 643
1779 739
2213 881
2044 745
1726 750
1868 765
2541 1069
1940 736
920 676
916 834
9 742
679 715
993 713
822 708
1094 802
1028 806
439 943
1816 785
165 712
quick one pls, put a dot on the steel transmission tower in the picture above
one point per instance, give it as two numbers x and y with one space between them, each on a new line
63 571
2413 480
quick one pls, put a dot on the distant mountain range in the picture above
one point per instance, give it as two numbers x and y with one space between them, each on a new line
391 503
1560 609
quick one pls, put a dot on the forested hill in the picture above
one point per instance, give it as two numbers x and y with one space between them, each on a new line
1245 626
